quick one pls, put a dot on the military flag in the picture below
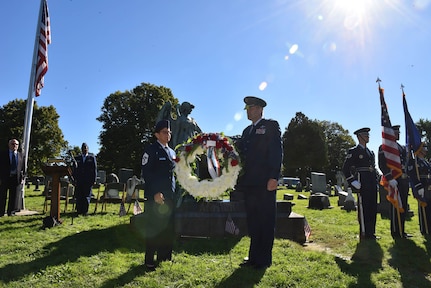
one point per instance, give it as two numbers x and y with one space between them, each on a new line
392 155
413 137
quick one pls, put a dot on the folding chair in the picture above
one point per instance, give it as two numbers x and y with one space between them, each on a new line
113 193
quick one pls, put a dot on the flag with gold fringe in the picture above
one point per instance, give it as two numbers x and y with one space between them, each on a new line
392 155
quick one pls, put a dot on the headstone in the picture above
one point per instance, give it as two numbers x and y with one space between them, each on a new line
319 201
124 174
101 177
318 182
287 196
349 202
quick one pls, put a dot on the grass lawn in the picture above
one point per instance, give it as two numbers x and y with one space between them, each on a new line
102 250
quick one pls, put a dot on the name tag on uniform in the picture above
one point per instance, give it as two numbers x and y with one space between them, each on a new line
162 158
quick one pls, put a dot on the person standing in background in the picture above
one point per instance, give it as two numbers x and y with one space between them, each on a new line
84 175
12 175
360 170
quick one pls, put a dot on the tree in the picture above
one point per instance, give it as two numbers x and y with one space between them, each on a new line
46 139
128 124
338 142
305 149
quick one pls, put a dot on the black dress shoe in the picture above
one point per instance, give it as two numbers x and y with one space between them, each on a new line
150 267
407 235
372 237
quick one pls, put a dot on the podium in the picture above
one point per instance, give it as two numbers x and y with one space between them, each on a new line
56 172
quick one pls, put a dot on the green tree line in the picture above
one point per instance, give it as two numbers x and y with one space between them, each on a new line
127 126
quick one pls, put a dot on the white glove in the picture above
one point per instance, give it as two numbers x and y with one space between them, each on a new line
393 183
421 192
356 184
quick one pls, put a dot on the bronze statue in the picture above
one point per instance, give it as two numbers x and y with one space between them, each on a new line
183 127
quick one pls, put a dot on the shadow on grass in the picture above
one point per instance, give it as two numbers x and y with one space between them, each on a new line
242 277
406 256
366 260
197 246
71 248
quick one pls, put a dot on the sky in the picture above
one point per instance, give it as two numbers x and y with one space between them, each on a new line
318 57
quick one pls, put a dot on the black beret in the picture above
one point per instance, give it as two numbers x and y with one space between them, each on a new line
362 130
396 127
161 125
251 100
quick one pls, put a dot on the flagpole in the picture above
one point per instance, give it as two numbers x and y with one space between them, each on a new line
30 99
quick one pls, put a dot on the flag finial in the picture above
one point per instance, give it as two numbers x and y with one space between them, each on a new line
378 81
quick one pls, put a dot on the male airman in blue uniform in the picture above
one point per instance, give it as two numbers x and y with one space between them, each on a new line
260 148
359 169
158 163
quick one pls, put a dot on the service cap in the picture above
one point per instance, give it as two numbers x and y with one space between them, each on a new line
161 125
362 130
252 100
396 127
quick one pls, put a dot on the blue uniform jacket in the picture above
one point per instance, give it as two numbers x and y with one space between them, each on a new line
85 172
157 171
360 161
261 153
419 171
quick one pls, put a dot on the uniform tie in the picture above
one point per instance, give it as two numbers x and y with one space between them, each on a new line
169 153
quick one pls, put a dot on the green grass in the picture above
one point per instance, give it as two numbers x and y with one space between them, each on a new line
102 250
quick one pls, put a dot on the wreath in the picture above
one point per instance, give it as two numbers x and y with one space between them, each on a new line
222 161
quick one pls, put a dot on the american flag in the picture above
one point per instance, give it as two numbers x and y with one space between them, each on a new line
122 210
392 154
42 53
307 229
230 226
137 208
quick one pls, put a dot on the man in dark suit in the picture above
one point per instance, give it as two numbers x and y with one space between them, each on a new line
261 152
12 173
360 171
84 175
158 163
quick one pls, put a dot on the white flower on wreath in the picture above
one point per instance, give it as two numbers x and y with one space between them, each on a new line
207 188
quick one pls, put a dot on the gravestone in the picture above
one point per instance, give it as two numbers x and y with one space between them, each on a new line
318 182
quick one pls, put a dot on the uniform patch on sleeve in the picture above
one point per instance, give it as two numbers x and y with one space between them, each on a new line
145 159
